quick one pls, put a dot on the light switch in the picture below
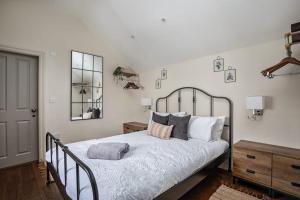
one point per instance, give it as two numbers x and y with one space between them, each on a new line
52 100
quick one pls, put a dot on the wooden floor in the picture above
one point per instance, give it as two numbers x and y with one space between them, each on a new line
27 182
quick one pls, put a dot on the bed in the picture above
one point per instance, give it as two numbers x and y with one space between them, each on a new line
152 169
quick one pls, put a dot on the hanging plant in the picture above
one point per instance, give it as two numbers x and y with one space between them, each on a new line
118 75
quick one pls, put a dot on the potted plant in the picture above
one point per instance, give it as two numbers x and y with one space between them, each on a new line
118 75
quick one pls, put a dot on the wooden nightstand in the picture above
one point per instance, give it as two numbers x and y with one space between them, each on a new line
275 167
129 127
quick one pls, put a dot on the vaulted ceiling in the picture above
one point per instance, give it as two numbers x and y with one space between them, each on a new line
152 33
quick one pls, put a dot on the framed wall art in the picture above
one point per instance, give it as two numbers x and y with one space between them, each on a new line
230 75
158 84
164 74
218 64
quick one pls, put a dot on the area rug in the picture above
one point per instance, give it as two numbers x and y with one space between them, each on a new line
227 193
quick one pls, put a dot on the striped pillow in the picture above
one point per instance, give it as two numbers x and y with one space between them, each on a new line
160 130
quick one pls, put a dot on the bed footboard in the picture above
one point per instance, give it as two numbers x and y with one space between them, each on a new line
54 170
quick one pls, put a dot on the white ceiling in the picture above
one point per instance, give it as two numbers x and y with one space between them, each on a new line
193 28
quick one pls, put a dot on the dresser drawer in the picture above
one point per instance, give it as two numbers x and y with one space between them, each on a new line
253 176
287 186
273 166
129 129
286 168
253 160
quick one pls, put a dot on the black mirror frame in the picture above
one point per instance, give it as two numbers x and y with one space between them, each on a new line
92 86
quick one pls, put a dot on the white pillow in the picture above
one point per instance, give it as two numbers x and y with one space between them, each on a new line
217 129
201 127
178 114
87 115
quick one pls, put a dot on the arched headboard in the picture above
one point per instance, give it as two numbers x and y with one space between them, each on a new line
194 104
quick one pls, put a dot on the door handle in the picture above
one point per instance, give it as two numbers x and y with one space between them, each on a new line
250 156
33 110
295 184
295 166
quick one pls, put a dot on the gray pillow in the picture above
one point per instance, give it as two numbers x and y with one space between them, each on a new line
160 119
180 128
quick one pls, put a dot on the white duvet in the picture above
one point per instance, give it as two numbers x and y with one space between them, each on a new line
151 166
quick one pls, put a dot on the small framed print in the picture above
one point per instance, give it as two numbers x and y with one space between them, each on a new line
230 75
219 64
164 74
158 84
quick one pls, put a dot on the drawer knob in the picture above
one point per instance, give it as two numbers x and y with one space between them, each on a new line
295 167
295 184
250 171
250 156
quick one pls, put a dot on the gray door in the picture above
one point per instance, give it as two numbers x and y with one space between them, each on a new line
18 109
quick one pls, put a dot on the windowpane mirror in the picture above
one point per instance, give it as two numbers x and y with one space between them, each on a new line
86 86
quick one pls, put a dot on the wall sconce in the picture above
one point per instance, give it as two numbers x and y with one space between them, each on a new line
146 102
257 105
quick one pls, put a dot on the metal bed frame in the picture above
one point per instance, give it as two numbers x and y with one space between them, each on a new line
174 192
55 171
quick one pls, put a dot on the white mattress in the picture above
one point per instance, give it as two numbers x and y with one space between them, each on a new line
151 166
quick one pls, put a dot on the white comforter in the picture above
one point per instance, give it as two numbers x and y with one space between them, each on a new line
151 166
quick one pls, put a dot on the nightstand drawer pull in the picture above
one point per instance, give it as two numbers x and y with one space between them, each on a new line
250 156
295 166
250 171
295 184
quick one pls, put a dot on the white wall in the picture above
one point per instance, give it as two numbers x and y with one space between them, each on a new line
281 121
38 26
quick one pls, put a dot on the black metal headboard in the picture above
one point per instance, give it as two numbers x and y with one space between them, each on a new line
194 101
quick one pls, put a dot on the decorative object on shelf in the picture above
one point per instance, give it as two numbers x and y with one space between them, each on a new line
122 73
218 64
146 102
294 35
257 105
164 74
230 75
128 77
86 86
131 85
157 84
118 74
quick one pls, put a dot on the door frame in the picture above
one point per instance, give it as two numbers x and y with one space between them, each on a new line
41 93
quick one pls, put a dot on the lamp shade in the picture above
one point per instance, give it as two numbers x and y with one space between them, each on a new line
146 101
255 103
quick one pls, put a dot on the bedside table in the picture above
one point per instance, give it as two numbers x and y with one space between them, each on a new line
129 127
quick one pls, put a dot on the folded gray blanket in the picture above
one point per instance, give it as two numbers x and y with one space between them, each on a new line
107 150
